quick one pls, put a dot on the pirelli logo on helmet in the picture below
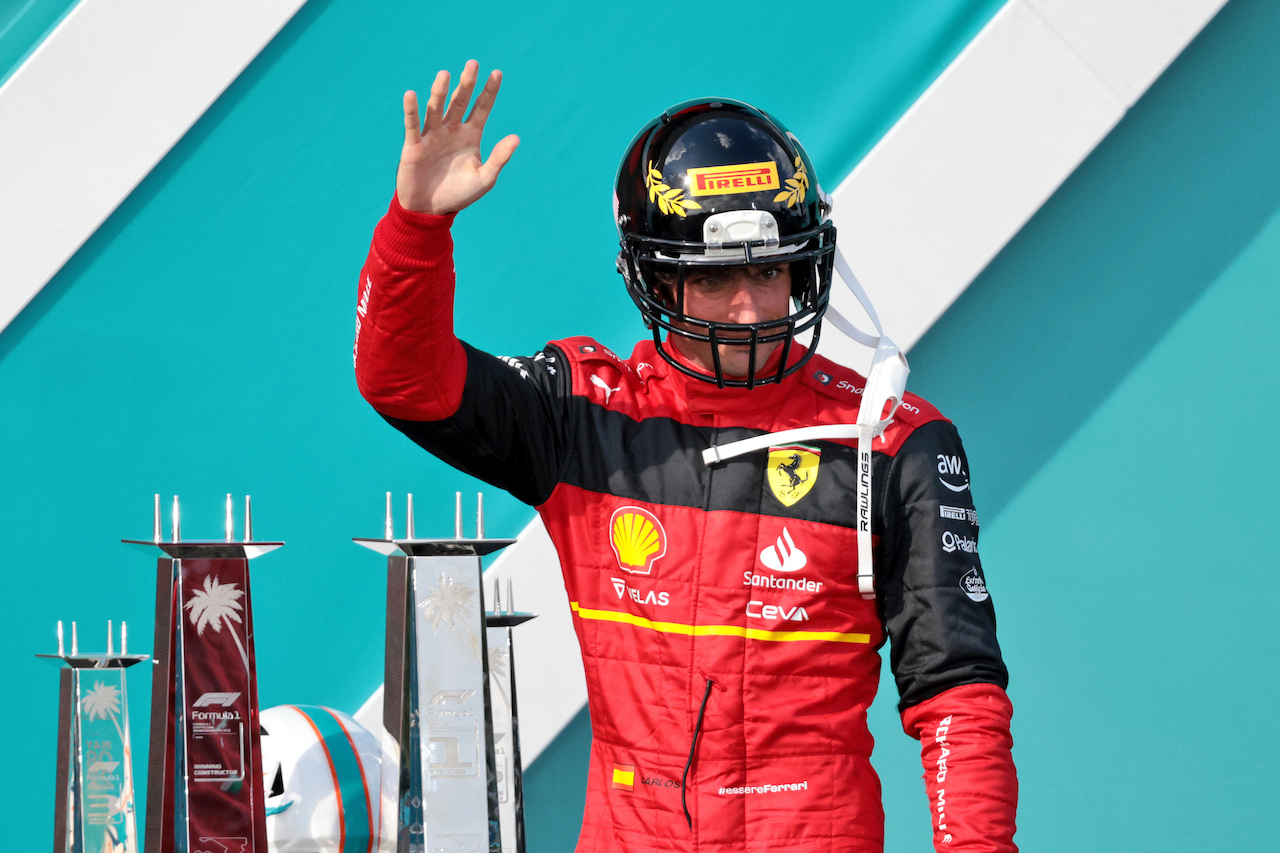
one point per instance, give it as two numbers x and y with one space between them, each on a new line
740 178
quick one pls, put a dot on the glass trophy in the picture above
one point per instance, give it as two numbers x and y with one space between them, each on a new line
506 717
94 807
204 774
436 697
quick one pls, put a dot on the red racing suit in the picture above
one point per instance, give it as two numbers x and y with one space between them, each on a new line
730 660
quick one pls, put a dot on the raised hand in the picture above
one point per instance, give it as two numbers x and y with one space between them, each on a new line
440 166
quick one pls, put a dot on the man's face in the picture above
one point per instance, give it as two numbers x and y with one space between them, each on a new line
745 294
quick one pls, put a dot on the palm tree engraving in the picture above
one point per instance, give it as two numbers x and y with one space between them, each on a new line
102 702
498 658
447 602
215 604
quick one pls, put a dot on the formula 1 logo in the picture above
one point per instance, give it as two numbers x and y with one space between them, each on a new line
226 700
457 697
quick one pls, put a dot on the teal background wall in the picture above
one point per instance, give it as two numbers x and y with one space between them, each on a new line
1114 373
23 26
199 342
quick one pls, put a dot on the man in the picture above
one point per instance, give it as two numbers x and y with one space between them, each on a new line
729 626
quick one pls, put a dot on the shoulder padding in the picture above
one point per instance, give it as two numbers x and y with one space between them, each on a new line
837 382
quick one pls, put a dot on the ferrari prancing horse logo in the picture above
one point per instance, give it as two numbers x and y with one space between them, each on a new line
792 470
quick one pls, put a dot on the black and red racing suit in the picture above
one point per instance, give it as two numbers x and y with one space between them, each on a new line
729 658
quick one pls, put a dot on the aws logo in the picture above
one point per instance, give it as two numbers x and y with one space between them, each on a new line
637 538
951 466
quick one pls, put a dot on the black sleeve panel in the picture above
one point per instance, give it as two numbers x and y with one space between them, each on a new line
511 429
934 600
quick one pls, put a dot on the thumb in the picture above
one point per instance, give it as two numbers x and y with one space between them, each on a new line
498 158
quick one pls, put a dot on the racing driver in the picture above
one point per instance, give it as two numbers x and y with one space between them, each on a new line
739 532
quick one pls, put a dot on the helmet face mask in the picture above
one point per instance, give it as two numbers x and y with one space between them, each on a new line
717 183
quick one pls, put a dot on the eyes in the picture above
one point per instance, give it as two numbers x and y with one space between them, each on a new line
717 279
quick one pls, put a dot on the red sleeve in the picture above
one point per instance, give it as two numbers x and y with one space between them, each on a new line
409 364
968 767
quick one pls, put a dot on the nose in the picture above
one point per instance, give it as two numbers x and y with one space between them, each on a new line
745 301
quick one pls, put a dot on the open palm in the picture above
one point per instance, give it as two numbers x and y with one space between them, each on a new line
440 166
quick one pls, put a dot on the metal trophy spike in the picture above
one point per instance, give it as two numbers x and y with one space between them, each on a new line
436 704
506 719
94 806
204 790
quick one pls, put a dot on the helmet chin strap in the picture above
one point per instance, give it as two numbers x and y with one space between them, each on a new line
886 383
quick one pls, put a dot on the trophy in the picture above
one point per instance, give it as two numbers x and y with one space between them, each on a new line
436 697
506 723
204 774
94 809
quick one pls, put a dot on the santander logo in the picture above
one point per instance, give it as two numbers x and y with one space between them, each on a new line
783 555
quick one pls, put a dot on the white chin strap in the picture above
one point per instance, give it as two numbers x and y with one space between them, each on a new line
886 383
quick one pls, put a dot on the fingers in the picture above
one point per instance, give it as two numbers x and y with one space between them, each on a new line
435 104
498 158
484 103
411 121
462 94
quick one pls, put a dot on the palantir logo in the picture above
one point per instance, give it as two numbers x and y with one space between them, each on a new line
783 555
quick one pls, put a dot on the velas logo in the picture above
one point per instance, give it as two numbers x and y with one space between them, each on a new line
661 599
637 538
792 469
624 777
738 178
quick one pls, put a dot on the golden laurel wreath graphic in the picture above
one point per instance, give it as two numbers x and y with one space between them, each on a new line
668 198
799 186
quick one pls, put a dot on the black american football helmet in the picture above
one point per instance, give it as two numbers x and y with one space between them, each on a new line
716 182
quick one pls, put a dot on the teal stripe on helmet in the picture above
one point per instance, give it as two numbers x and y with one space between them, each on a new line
353 788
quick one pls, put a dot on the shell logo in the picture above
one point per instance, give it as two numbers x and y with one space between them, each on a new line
637 538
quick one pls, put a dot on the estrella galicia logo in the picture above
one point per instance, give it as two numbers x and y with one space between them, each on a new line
974 584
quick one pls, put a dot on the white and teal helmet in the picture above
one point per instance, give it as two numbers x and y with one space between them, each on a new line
322 773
